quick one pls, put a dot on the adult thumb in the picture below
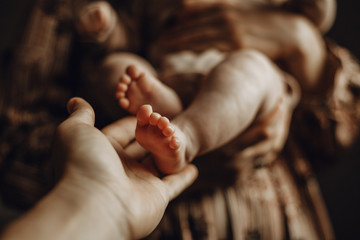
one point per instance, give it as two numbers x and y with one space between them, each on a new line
81 111
177 183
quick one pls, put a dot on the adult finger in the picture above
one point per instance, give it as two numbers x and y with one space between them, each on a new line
80 111
202 34
219 16
218 22
135 151
195 11
199 45
178 182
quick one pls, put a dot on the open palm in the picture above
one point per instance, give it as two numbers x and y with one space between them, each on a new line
97 160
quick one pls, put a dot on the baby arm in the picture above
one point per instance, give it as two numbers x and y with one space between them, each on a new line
98 22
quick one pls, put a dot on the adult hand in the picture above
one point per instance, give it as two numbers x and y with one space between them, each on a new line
102 193
321 12
99 159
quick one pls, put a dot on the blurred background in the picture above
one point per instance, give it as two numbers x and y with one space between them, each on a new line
340 182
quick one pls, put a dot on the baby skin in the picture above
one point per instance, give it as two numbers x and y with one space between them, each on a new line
233 96
138 92
166 143
96 21
137 88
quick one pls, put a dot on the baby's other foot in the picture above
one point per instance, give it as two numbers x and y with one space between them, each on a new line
96 21
135 88
157 135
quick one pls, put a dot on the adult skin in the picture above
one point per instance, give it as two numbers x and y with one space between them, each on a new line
103 193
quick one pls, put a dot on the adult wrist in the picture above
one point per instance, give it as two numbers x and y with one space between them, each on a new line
94 207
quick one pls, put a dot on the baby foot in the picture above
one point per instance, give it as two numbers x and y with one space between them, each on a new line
157 135
137 88
96 21
134 89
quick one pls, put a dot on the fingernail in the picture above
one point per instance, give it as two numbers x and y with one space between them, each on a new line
71 105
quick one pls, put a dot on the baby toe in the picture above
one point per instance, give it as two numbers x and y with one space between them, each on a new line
163 123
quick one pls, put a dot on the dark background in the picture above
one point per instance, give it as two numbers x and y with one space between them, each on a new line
340 182
346 29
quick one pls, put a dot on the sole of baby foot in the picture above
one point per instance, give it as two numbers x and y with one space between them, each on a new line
157 135
135 88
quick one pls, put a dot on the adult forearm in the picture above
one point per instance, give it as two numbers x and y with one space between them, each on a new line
290 38
321 12
66 213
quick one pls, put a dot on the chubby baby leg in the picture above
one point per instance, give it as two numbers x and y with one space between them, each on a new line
240 90
156 134
136 88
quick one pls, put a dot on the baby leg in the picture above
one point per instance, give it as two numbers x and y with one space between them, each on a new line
237 92
137 88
